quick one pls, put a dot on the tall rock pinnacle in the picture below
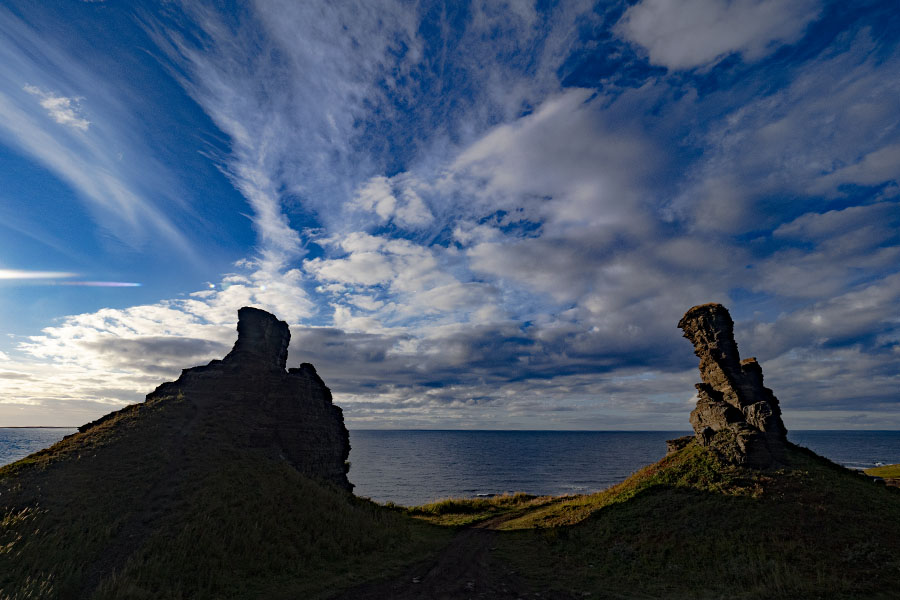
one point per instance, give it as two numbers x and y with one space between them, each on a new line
261 337
735 413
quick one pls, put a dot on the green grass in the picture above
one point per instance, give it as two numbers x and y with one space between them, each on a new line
687 527
887 471
456 512
140 506
266 531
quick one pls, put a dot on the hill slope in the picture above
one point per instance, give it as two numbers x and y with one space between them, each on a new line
691 526
228 483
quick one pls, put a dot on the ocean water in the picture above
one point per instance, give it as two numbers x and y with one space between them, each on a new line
19 442
853 449
414 467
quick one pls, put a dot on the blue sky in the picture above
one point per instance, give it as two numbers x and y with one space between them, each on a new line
473 215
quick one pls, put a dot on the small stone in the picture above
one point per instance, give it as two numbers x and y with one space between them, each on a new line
416 579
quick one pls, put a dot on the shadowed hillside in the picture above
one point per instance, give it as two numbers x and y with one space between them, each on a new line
227 482
691 526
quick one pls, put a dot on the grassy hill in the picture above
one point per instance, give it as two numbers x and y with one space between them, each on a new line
691 527
152 504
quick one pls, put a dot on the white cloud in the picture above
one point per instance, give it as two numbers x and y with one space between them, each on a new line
563 165
103 359
130 200
375 260
876 167
693 33
65 111
412 210
293 139
14 274
378 195
829 126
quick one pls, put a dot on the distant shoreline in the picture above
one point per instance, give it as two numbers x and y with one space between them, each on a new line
683 431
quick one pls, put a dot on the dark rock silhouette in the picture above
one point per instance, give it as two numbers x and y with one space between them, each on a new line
262 339
735 414
260 405
250 400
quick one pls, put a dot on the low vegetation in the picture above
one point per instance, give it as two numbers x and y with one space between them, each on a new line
455 512
689 527
887 471
268 532
161 518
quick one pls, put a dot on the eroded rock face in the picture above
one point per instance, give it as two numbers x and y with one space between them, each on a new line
735 413
250 400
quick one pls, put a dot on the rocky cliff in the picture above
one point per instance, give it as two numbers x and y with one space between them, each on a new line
258 404
736 415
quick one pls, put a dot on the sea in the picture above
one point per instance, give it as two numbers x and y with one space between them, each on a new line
419 466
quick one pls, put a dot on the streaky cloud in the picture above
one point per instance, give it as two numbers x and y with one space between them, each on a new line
20 274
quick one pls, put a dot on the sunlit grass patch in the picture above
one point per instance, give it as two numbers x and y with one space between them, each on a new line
465 511
887 471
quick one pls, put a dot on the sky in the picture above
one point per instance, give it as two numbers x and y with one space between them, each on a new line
485 215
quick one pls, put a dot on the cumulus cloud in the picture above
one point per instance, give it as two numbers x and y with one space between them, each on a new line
161 337
155 355
563 164
693 33
378 195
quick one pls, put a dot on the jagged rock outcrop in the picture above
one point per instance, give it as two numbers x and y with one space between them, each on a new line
254 403
228 460
735 414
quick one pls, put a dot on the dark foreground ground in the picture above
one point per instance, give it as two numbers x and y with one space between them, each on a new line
206 525
686 527
467 568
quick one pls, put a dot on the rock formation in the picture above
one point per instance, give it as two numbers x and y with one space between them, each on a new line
735 414
249 400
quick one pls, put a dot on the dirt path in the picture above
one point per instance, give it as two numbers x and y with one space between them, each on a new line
465 570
